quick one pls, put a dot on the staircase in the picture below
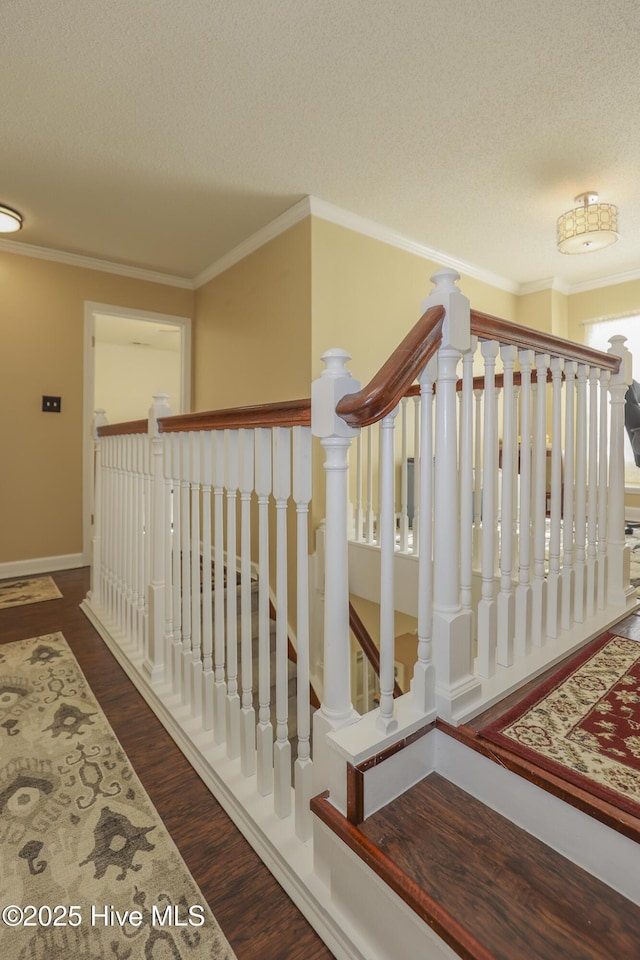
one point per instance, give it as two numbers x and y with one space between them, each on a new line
511 567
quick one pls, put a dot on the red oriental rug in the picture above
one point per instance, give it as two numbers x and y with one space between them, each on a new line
583 724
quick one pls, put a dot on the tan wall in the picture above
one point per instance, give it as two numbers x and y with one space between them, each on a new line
366 295
42 327
253 327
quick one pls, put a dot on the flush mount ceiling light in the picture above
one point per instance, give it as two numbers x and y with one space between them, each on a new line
591 226
10 220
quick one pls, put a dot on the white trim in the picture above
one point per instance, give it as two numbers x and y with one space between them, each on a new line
25 568
287 858
91 308
369 228
549 283
270 231
91 263
586 285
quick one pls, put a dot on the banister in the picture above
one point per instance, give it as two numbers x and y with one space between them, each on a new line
389 384
123 429
486 327
284 413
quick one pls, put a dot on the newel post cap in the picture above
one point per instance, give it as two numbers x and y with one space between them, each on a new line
619 349
334 383
456 330
160 408
99 420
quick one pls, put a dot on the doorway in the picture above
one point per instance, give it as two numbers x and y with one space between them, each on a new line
128 356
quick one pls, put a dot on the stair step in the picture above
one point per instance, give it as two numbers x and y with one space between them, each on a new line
487 887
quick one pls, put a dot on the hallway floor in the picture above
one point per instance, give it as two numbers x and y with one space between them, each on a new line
258 918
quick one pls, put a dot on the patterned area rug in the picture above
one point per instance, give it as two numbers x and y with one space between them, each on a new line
13 593
584 723
88 870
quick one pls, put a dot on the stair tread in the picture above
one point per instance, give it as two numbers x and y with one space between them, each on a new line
477 866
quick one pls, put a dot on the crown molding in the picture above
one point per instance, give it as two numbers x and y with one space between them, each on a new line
549 283
270 231
369 228
91 263
586 285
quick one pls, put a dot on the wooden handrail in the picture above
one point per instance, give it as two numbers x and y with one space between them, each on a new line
123 429
486 327
367 645
389 384
285 413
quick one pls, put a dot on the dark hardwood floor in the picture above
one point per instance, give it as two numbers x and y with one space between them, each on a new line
258 918
514 894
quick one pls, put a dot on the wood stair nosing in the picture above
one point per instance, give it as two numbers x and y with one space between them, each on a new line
489 889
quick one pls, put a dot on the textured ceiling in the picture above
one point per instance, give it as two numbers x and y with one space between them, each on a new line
162 135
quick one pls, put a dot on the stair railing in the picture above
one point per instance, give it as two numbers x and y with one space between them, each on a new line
187 508
517 521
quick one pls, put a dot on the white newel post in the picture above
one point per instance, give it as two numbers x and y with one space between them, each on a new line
335 436
99 420
617 551
154 664
456 686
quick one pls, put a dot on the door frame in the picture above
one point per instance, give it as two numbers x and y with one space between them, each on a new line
91 308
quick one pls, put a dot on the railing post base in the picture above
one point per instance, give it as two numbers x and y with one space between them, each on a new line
328 766
456 686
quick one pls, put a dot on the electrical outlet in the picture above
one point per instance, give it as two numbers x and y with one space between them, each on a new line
52 404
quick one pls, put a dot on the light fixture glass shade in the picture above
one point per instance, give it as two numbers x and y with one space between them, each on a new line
10 220
589 227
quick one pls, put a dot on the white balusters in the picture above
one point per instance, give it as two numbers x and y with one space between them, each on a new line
539 584
617 551
592 495
232 708
207 592
387 538
602 488
220 686
185 546
553 579
477 478
404 479
523 590
282 747
466 477
302 495
416 474
567 573
265 729
581 494
487 611
177 685
506 599
196 596
247 717
359 514
369 512
423 683
154 664
168 560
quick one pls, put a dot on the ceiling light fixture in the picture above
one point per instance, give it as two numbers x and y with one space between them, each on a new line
591 226
10 220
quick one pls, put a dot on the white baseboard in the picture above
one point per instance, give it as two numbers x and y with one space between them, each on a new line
25 568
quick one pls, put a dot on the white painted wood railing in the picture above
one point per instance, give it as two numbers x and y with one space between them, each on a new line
183 543
509 501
